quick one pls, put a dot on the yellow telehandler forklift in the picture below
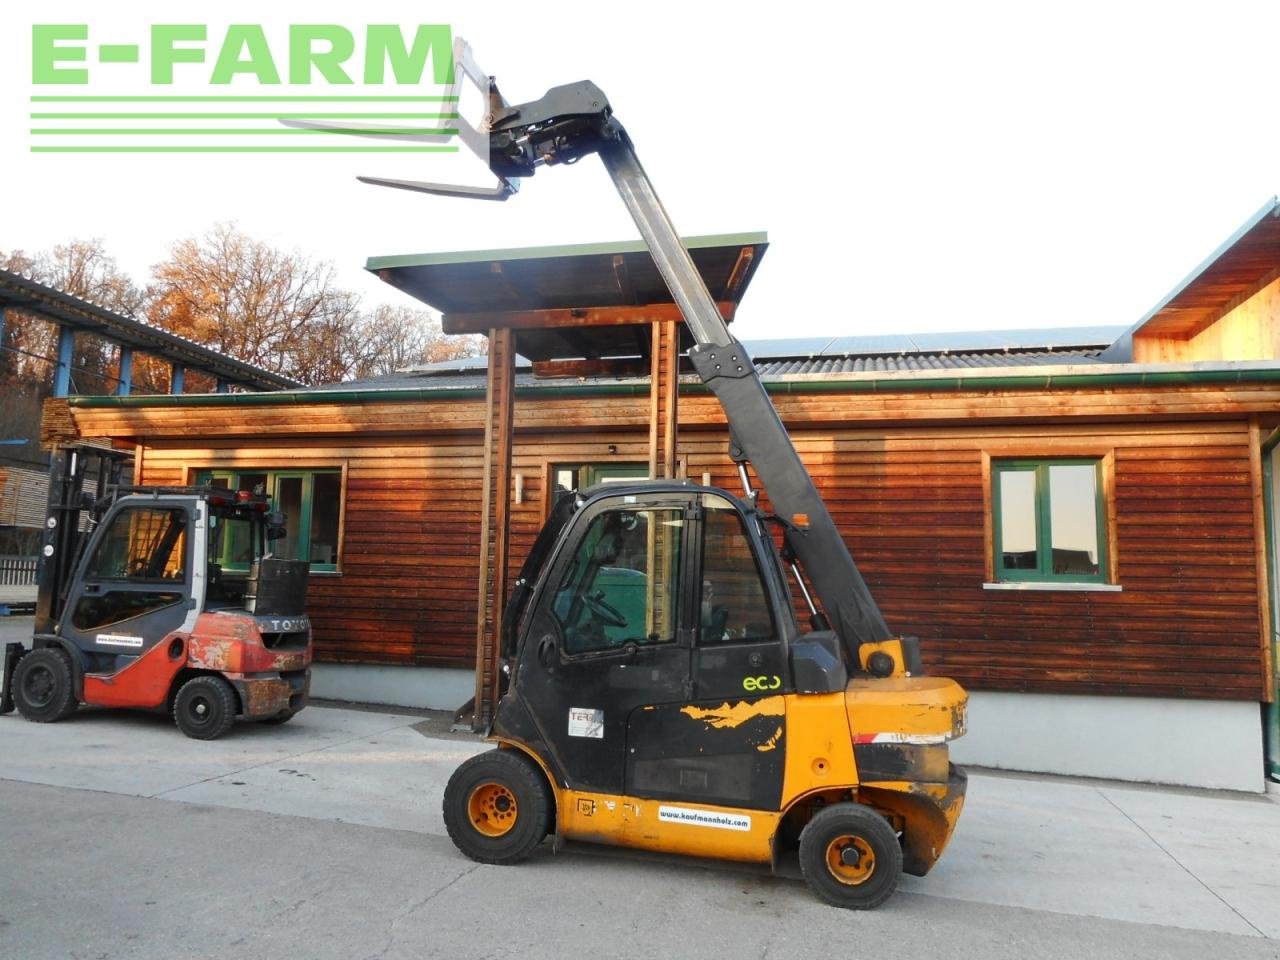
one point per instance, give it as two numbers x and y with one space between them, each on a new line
660 693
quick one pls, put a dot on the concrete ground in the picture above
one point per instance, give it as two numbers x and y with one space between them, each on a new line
323 838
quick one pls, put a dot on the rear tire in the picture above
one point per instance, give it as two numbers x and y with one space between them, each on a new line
43 690
205 707
497 807
850 856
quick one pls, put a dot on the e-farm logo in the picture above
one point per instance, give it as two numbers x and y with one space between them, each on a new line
243 88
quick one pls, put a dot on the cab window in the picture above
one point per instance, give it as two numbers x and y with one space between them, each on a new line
622 585
735 607
138 567
142 543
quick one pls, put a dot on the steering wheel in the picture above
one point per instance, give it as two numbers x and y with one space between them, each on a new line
604 612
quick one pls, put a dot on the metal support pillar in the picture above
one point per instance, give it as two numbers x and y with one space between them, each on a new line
62 372
124 382
664 385
494 520
177 377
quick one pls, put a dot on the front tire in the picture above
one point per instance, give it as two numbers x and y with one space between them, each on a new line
43 690
850 856
205 707
497 807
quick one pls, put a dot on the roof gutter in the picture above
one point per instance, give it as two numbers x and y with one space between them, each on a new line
1069 377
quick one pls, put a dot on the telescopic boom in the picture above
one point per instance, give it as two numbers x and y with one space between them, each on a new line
575 120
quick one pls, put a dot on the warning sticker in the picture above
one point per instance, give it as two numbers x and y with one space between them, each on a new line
586 722
704 818
118 640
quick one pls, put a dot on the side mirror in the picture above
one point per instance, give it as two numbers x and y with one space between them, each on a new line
817 663
275 525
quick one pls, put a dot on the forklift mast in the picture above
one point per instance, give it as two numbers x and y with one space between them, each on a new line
575 120
70 467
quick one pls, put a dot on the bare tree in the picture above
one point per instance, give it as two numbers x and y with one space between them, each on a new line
395 338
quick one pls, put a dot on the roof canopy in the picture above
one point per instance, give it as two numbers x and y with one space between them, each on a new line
18 292
577 301
1239 268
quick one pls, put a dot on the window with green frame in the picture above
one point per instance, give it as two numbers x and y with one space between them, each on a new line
311 501
1049 520
566 477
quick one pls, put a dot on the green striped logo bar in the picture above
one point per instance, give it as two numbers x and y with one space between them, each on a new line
243 88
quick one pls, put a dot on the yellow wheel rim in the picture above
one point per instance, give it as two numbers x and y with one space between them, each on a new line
492 809
851 860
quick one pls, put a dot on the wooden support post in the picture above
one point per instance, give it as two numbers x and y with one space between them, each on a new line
664 386
494 520
1257 477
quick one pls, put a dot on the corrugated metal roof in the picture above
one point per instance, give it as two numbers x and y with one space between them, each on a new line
974 348
818 366
783 368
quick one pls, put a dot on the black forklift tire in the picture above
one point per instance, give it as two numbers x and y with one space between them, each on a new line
497 807
205 707
43 690
850 856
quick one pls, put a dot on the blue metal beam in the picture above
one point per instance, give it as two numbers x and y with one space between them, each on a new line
177 377
222 386
62 373
125 384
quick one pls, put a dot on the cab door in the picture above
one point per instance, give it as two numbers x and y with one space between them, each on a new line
726 744
134 585
610 634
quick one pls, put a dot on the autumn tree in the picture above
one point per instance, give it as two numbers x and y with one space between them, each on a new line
277 310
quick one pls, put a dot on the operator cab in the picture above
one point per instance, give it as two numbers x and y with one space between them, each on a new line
242 528
640 607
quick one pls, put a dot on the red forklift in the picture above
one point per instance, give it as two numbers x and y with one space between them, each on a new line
161 598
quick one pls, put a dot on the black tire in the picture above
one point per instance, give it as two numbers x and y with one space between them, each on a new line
850 856
205 708
43 690
284 716
497 807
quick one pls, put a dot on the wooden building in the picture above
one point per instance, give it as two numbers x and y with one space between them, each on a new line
1077 524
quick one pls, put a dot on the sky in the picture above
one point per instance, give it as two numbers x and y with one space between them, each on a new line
918 167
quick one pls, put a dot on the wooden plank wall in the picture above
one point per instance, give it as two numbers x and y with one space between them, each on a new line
911 502
904 477
911 505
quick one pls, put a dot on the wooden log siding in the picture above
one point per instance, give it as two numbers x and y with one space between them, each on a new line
909 496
